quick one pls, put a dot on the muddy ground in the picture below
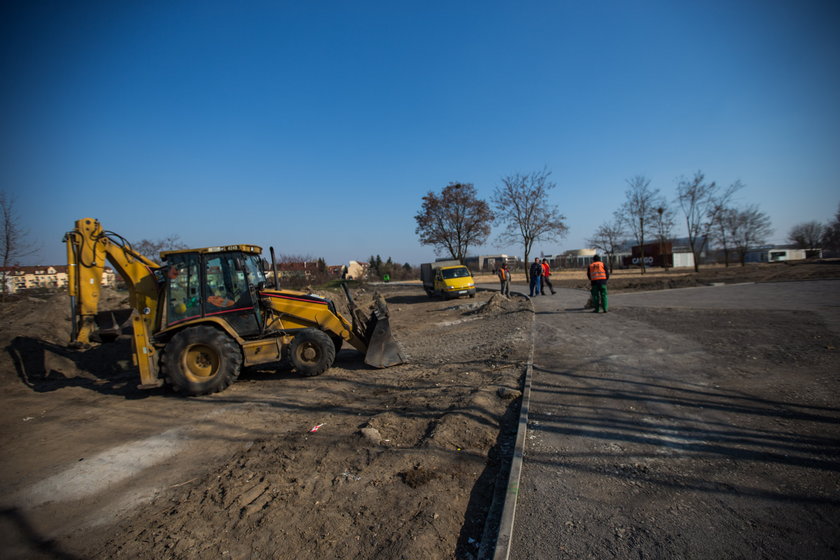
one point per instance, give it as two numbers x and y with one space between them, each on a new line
403 463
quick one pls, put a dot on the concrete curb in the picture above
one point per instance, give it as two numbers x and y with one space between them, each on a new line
505 533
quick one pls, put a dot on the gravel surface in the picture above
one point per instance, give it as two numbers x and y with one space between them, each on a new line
683 432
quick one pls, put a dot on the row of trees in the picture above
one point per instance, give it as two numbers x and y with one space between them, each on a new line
813 234
706 208
456 219
380 269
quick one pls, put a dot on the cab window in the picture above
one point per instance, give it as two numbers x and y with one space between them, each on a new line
460 272
184 297
253 268
226 283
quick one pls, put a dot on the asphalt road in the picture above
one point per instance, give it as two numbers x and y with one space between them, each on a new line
641 444
821 297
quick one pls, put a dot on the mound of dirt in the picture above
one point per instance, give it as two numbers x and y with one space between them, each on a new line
497 304
35 330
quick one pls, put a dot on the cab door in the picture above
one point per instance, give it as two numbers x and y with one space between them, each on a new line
227 293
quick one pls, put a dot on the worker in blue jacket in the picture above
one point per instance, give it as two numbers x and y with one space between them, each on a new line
536 274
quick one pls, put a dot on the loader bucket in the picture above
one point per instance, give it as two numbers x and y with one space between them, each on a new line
383 351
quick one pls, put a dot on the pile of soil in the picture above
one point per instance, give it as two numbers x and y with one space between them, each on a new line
35 329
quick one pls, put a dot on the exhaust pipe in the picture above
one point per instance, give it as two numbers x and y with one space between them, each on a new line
274 268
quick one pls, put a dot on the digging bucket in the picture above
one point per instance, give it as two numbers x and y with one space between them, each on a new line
383 351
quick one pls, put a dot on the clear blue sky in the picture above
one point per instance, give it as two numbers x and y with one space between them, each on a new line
316 127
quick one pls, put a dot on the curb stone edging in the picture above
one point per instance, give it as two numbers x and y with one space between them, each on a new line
501 546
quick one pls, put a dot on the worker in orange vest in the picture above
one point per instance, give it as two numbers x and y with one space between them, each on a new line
598 276
545 280
504 280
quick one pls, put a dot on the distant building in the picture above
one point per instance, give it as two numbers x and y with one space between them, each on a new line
489 263
302 269
775 254
661 254
18 278
576 258
357 270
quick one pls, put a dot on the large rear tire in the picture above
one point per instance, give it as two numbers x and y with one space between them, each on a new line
311 352
201 360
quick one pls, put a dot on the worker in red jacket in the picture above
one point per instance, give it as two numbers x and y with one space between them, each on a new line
598 276
545 280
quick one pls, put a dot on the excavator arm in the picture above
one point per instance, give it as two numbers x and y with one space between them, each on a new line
88 248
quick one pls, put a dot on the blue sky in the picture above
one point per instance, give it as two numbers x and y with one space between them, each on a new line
317 127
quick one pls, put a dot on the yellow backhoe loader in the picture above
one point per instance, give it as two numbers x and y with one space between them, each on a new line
205 313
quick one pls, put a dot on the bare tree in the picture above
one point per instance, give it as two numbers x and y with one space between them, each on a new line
151 249
807 235
522 204
665 221
454 221
831 235
725 221
294 258
749 228
13 243
702 203
639 213
608 238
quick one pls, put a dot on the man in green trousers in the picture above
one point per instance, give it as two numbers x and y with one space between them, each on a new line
598 276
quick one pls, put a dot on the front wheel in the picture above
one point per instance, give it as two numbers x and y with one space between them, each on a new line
311 352
337 341
201 360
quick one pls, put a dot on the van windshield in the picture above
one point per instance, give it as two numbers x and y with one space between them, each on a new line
460 272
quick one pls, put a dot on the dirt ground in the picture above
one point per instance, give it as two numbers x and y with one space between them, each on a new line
403 463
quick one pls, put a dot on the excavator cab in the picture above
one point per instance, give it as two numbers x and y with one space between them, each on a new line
220 284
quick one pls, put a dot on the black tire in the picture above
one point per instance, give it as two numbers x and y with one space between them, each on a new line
201 360
337 341
311 352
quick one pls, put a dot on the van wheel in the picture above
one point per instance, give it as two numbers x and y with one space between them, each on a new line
311 352
201 360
